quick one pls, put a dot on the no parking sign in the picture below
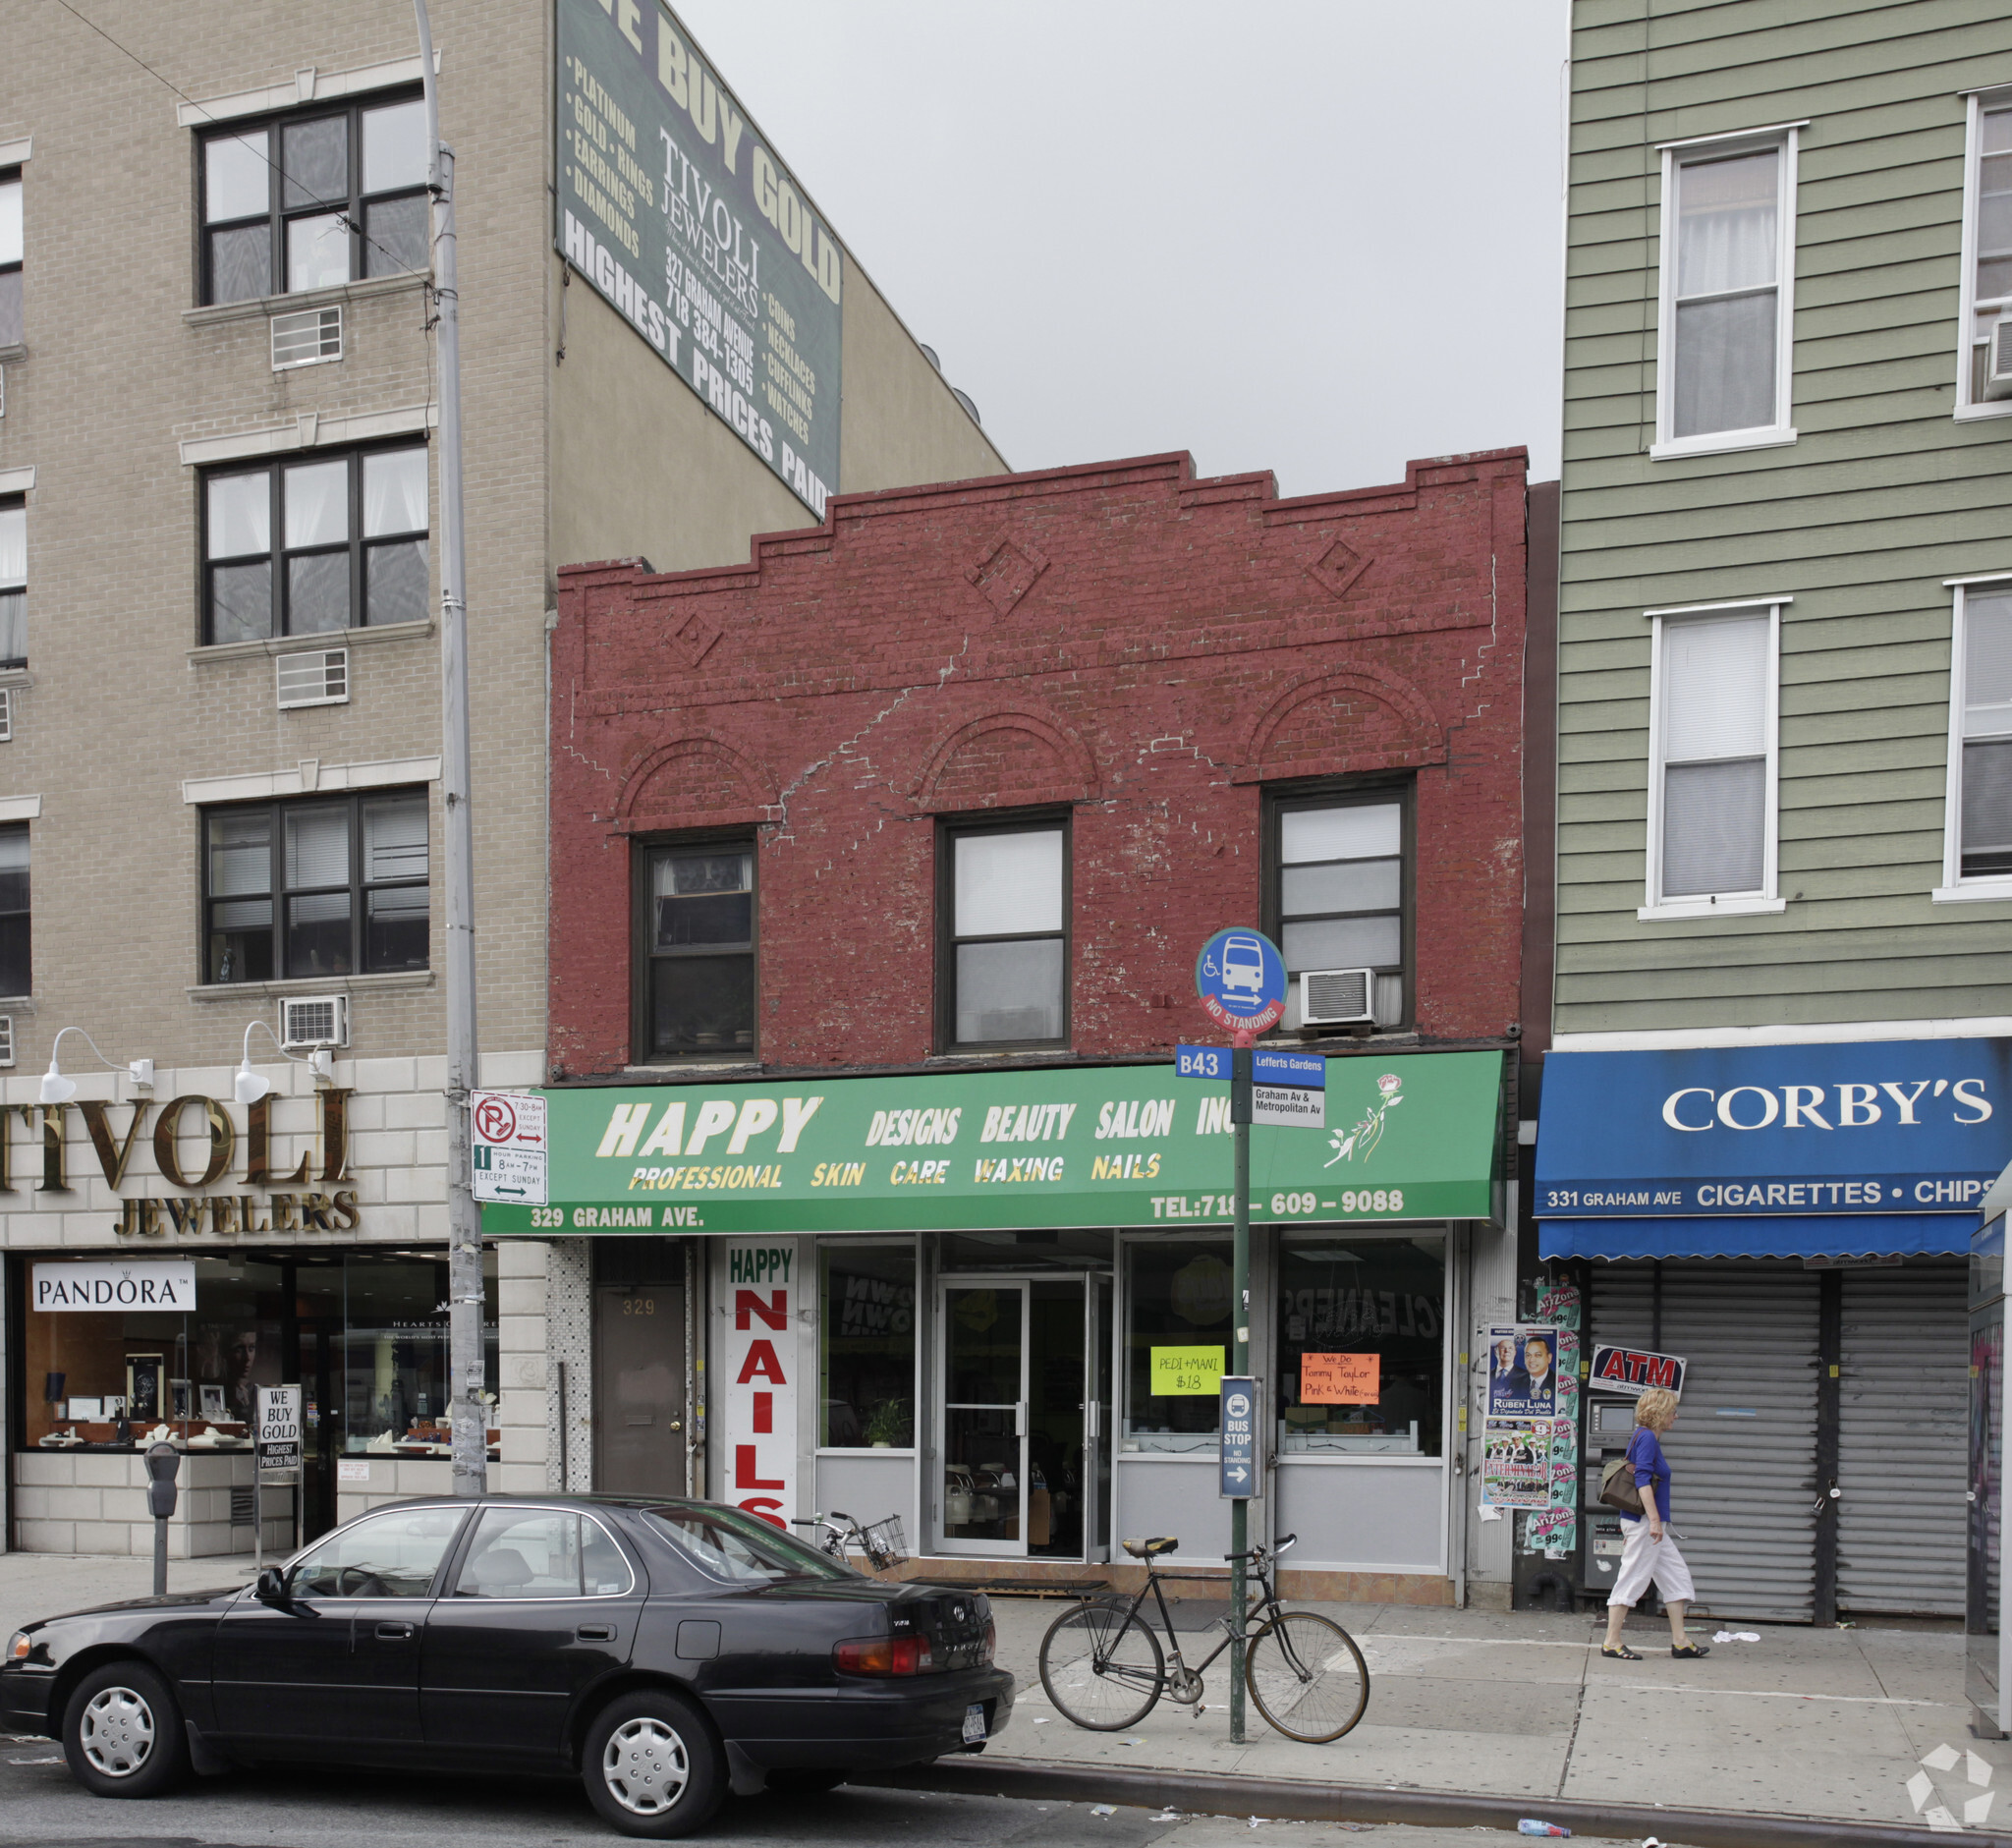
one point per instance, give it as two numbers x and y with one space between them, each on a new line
511 1158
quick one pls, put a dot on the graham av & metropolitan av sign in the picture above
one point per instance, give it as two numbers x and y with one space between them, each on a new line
673 207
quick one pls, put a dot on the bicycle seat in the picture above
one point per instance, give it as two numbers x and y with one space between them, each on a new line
1152 1548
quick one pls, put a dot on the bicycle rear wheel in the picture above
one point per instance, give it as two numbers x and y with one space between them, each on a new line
1307 1676
1101 1667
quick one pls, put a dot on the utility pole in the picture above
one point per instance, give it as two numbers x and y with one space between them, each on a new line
470 1444
1239 1313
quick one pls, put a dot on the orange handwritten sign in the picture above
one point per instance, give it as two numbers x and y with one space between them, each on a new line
1341 1379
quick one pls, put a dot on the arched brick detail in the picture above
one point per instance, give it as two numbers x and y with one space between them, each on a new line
698 780
1350 720
1002 760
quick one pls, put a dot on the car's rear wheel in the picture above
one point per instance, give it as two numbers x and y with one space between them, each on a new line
122 1732
652 1766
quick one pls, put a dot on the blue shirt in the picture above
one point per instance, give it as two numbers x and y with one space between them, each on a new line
1651 1466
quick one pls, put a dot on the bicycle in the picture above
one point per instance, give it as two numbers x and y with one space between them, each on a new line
1104 1667
883 1542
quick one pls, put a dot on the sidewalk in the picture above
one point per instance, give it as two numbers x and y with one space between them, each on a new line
1813 1723
1828 1723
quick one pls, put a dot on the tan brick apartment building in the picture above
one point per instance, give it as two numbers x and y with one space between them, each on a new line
218 783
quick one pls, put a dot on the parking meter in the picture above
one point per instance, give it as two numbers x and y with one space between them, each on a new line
163 1463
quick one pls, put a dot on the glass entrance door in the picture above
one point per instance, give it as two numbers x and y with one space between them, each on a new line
1025 1407
985 1416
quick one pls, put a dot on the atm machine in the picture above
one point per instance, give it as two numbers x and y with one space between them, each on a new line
1987 1624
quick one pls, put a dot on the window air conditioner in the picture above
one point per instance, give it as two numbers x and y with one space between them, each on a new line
6 1038
6 714
307 337
1338 997
314 1020
316 677
1998 359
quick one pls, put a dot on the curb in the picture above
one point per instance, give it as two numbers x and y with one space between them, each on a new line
1292 1799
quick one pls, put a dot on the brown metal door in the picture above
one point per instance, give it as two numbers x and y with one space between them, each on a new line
639 1389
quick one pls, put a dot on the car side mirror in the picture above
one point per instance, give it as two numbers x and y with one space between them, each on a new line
272 1587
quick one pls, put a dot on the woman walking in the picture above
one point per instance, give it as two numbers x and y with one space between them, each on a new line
1650 1550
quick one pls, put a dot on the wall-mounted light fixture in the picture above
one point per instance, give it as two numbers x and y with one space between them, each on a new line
248 1087
56 1089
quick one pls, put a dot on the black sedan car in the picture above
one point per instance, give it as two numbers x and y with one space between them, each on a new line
662 1651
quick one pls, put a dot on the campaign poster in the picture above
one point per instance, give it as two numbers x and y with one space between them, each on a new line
1516 1463
1522 1371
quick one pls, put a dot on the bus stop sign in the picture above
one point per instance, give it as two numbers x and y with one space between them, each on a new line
1239 977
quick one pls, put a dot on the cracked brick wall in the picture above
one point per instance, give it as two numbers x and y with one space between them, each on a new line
1149 650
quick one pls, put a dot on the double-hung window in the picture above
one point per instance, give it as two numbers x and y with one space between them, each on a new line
1978 824
1712 729
1986 252
1004 898
13 584
316 888
695 950
310 200
1728 284
11 327
327 542
1340 893
16 969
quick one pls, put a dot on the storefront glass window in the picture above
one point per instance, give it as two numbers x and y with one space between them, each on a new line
1361 1345
365 1334
395 1383
868 1319
1177 1342
85 1370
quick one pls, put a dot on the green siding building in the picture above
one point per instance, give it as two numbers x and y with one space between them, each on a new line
1783 932
1785 650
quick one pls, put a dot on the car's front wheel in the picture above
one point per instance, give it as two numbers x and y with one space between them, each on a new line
652 1766
122 1732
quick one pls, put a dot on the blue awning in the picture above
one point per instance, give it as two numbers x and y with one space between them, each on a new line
1760 1234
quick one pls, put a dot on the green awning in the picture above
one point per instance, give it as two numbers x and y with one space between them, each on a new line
1411 1136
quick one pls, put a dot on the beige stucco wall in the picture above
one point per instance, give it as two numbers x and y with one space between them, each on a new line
603 454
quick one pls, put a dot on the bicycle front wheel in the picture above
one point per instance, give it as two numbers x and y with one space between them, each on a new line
1307 1676
1101 1667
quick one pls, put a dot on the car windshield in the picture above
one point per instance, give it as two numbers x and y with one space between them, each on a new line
742 1548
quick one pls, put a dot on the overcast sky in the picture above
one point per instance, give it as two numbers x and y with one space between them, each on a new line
1316 238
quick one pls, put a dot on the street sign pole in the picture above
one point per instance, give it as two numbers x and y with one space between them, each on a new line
1240 1297
1240 977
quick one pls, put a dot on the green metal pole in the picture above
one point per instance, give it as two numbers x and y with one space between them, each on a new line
1240 1297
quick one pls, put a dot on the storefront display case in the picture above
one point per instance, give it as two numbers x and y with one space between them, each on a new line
113 1352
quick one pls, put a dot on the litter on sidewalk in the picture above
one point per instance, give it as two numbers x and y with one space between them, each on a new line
1736 1636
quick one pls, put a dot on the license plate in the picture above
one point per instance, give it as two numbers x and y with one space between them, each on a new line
974 1722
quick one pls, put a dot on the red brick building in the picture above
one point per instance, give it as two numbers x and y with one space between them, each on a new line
1143 655
908 831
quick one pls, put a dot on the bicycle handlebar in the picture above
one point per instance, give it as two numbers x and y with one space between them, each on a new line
1259 1553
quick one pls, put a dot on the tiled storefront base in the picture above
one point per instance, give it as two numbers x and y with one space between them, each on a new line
1325 1587
95 1502
394 1479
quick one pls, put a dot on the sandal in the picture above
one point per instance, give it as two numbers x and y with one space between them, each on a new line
1690 1652
1622 1654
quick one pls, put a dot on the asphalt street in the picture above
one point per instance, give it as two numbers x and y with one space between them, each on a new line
319 1808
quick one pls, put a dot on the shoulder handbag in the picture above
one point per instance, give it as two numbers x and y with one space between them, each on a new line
1617 1488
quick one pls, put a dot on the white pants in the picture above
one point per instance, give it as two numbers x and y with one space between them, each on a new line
1644 1559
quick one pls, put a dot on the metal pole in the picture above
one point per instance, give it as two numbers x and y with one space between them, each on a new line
1240 1297
160 1555
257 1514
470 1443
